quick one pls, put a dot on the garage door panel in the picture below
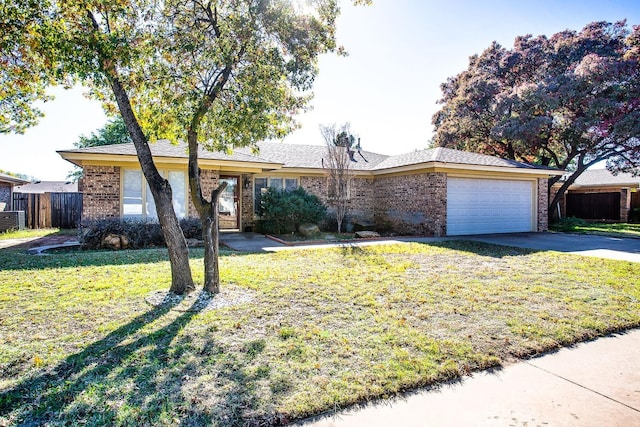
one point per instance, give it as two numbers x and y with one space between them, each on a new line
479 206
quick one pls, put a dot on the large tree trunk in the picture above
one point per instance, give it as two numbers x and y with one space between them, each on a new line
208 212
181 279
553 205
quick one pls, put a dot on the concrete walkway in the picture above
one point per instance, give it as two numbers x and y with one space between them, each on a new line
627 249
591 384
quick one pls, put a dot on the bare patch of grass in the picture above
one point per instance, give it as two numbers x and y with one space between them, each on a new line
324 329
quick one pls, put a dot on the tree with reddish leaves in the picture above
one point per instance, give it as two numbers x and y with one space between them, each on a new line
567 101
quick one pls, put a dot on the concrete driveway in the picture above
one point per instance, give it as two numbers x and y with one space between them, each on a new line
627 249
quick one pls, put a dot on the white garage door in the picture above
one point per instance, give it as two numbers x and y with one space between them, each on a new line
480 206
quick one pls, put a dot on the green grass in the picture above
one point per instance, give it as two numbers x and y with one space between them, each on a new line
574 225
324 329
28 233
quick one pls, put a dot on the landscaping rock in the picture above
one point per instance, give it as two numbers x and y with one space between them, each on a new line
308 230
366 234
115 241
195 243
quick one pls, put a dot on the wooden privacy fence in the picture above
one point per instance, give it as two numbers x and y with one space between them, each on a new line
635 200
594 205
49 210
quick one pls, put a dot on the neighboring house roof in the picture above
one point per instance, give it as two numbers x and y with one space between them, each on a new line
604 178
47 187
277 155
8 179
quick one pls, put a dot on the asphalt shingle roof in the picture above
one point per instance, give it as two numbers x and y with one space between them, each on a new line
164 148
311 156
595 177
448 155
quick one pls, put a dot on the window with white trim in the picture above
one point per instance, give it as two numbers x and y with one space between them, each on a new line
137 200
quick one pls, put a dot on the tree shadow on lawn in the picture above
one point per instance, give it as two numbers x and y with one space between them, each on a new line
12 259
482 249
114 381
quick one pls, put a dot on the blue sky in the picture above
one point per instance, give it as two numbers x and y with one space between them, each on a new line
400 51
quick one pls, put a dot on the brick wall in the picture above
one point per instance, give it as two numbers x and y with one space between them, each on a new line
208 183
563 200
412 204
246 202
543 204
101 188
361 196
5 195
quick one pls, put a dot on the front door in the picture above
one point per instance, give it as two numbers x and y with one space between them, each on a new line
228 204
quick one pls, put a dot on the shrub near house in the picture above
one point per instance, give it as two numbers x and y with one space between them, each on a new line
284 211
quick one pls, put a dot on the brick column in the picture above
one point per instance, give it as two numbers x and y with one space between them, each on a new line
625 204
543 204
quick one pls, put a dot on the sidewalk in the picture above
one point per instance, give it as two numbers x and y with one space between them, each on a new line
592 384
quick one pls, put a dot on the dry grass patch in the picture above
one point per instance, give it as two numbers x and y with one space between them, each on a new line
322 329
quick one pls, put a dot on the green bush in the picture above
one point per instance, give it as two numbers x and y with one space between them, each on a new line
141 234
634 216
283 211
191 227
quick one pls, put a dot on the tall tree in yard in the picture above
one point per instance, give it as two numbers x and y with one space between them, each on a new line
568 101
234 73
220 74
341 146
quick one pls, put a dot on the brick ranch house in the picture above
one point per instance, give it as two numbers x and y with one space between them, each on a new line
432 192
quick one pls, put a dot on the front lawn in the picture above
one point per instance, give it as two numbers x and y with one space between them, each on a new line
320 329
573 225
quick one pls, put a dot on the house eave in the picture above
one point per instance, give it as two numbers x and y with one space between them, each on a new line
13 181
85 159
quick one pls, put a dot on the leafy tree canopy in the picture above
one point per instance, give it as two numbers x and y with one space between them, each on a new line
567 101
25 72
113 132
